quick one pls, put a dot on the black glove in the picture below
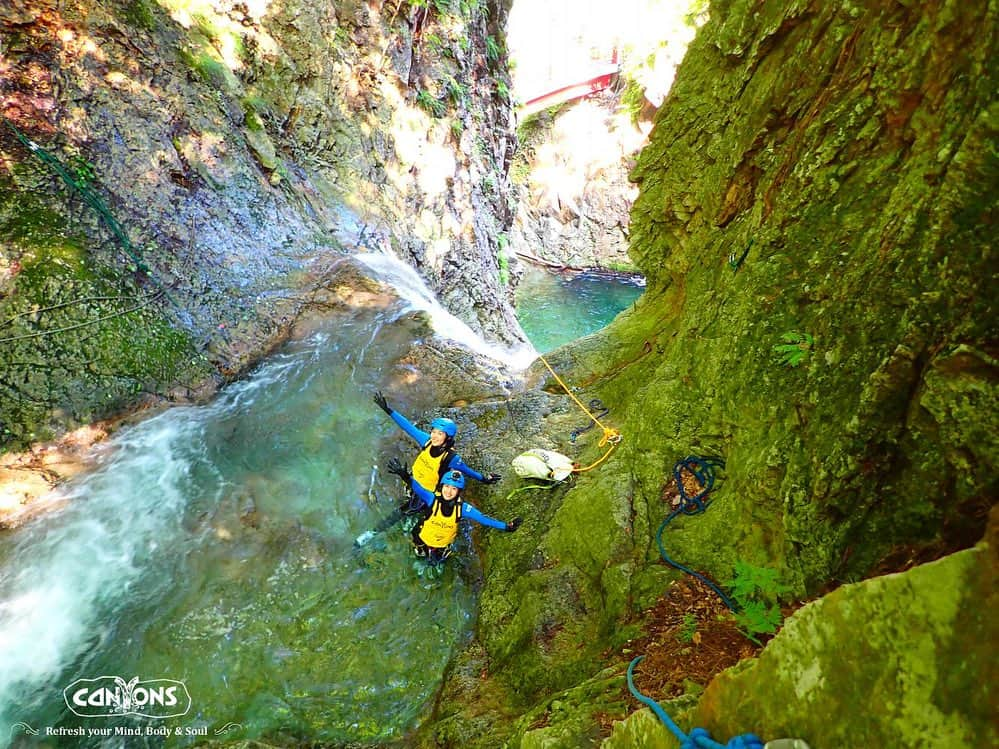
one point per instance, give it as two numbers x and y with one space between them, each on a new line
513 525
395 466
491 478
381 402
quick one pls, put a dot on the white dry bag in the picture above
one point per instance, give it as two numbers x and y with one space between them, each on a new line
542 464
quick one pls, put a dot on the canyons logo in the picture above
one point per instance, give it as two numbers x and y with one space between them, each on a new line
112 695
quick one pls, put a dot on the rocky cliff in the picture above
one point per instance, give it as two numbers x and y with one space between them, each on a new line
570 174
816 222
900 660
179 182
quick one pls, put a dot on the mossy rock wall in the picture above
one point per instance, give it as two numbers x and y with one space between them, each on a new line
829 172
826 170
80 340
243 150
900 660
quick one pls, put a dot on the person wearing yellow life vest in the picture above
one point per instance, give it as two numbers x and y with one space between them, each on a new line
434 534
437 455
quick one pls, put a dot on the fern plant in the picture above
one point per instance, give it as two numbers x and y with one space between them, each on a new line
455 91
755 591
431 104
689 628
434 41
794 349
492 49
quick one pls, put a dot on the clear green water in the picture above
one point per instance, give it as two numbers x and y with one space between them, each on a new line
214 546
554 310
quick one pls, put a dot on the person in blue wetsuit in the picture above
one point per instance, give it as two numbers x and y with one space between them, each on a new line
434 534
437 455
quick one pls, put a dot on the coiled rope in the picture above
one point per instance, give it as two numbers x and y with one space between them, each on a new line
610 436
597 405
703 470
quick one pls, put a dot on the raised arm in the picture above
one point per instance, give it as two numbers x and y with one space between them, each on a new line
425 496
395 466
459 465
471 512
418 435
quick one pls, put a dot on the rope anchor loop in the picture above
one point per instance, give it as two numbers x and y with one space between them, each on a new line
610 437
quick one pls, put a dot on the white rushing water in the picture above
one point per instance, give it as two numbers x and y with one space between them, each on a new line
62 577
213 544
412 288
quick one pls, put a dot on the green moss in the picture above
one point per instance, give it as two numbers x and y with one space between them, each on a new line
139 13
643 729
260 143
28 224
914 665
621 267
74 348
863 190
207 68
254 108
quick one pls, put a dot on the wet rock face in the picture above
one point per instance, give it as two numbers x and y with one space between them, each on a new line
898 660
846 204
241 154
571 176
814 221
915 675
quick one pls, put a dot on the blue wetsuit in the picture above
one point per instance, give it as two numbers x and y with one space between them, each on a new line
469 512
453 463
437 508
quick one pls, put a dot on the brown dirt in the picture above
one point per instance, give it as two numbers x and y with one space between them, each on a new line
691 487
690 637
690 634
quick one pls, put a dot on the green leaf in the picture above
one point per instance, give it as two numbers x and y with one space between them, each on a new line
795 347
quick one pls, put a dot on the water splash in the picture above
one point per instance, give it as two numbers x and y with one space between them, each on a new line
214 545
61 575
411 288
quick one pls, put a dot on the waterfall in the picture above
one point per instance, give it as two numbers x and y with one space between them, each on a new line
412 289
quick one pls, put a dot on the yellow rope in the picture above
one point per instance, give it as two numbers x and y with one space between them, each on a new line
611 436
594 465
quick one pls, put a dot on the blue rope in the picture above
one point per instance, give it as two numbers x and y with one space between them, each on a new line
595 405
703 470
655 706
698 738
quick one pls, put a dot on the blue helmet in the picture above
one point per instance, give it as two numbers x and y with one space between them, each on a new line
445 425
455 479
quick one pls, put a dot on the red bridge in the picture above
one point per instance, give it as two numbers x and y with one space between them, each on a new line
563 86
603 79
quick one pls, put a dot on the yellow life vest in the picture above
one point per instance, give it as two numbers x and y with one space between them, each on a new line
427 469
439 530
